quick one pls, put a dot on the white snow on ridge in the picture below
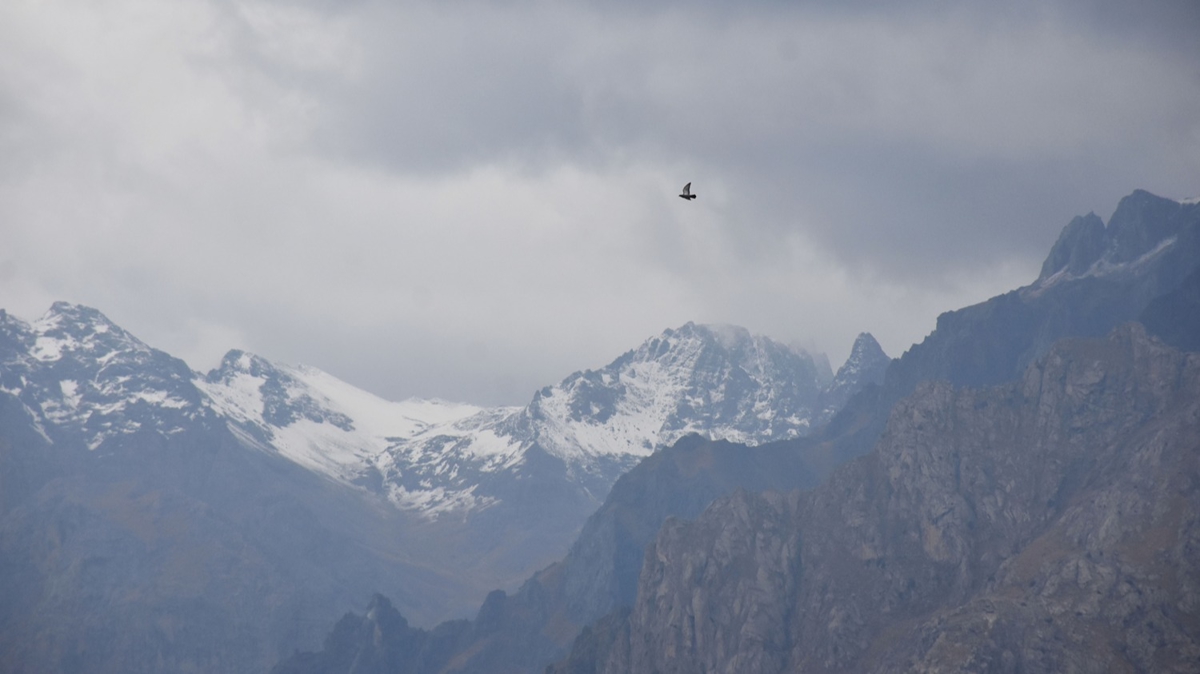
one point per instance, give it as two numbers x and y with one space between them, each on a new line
383 435
1099 268
421 448
238 398
376 416
325 448
318 446
50 348
429 456
651 394
654 398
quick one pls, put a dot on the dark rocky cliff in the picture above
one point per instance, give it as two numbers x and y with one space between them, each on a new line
1049 524
1095 278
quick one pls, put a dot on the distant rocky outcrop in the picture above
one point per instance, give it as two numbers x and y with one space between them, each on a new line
866 365
381 642
1049 524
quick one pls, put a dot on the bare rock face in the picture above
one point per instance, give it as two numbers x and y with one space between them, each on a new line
1095 278
1049 524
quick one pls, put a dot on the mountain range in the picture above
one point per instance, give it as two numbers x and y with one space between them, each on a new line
954 518
159 519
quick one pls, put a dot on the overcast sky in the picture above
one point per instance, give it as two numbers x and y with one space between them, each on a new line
471 200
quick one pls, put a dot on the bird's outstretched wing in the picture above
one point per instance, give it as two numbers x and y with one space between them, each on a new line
687 189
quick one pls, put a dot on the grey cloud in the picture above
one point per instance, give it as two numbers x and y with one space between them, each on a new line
473 199
442 90
752 96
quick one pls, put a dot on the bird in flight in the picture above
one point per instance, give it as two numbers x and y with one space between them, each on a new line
687 192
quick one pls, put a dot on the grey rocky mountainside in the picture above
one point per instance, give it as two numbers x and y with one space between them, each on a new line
154 519
1144 264
984 344
1049 524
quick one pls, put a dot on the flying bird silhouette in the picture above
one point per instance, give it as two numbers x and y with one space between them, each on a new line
687 192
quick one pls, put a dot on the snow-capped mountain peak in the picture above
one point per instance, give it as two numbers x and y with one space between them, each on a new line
79 332
76 371
720 381
866 364
255 389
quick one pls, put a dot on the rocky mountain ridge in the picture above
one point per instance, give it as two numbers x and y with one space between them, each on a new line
1088 285
433 458
867 363
1049 524
75 368
720 381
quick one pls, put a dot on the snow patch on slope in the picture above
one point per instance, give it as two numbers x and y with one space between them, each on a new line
350 435
1100 268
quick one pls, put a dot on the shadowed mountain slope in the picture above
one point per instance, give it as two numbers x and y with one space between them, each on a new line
1049 524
